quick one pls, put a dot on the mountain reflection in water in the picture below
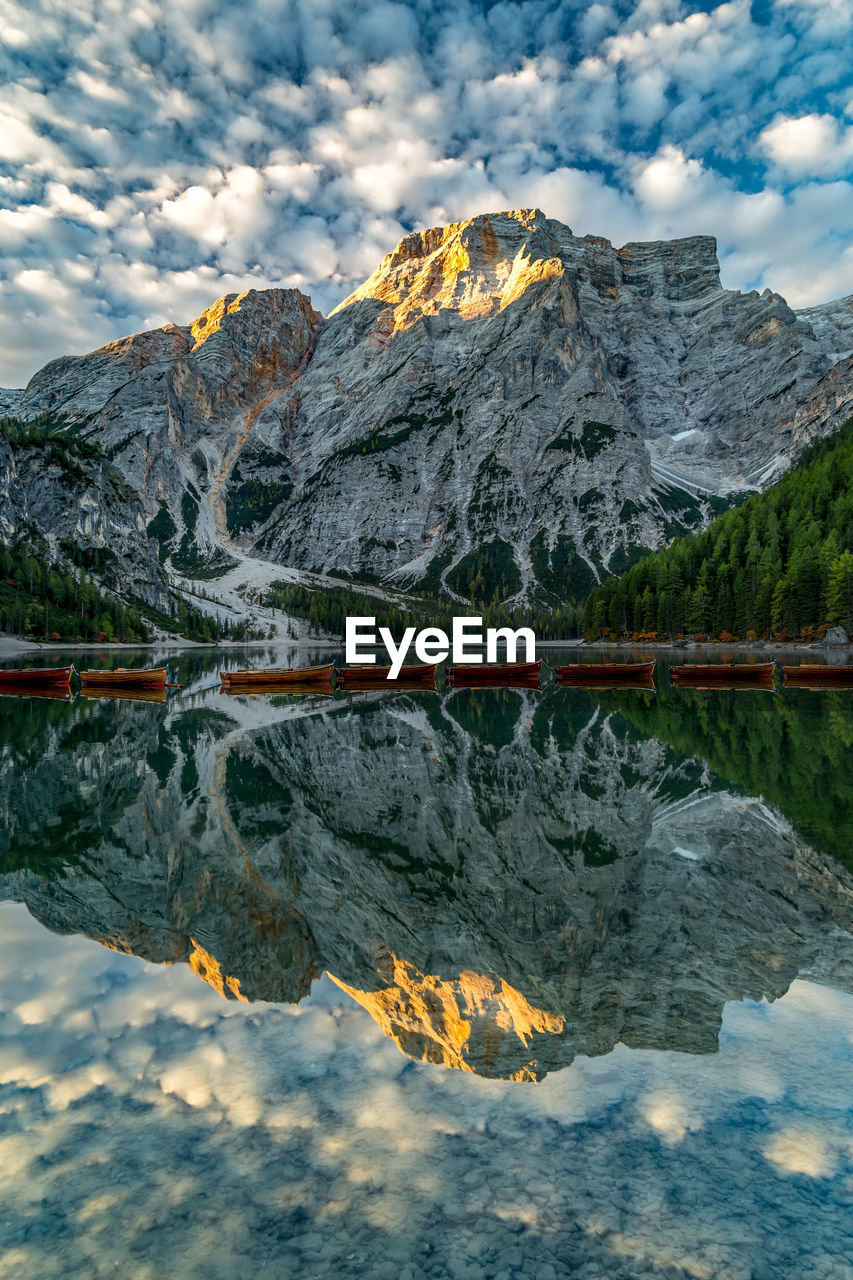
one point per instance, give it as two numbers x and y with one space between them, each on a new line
503 878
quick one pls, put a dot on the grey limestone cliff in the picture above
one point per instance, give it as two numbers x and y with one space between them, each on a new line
501 402
502 383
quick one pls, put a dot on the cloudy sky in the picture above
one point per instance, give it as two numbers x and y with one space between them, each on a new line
155 154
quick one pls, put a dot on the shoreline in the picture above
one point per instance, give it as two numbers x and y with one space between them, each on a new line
12 647
704 646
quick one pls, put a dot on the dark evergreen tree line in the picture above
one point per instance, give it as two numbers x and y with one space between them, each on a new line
43 601
61 441
327 609
792 750
780 565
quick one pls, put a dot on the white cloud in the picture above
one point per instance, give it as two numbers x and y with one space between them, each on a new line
292 141
20 142
194 211
805 1149
813 144
669 180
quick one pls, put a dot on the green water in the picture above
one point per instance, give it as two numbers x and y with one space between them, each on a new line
464 983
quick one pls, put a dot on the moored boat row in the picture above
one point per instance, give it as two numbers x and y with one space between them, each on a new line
154 683
526 675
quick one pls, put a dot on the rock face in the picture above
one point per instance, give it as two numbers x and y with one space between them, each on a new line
84 509
179 410
503 880
502 405
504 384
832 325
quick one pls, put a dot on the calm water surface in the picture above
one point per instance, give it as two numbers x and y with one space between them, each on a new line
478 983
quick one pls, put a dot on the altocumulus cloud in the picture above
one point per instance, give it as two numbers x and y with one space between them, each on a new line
154 155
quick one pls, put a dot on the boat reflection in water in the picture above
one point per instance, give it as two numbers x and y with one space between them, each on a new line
295 688
809 675
513 675
56 693
160 696
367 676
503 878
608 675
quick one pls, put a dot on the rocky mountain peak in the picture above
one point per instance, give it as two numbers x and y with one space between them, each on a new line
504 409
478 267
473 268
255 315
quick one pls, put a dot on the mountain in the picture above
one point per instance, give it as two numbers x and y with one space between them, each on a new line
552 877
502 395
503 408
781 565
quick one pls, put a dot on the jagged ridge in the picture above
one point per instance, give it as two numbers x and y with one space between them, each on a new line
502 405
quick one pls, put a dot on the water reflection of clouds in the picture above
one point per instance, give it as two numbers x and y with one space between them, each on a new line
150 1125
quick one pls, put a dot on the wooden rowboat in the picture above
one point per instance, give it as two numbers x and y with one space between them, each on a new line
815 676
275 676
609 673
368 677
36 677
733 673
127 678
523 674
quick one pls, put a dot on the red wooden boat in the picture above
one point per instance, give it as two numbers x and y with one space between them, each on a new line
367 676
522 674
813 675
606 673
733 673
127 678
36 677
278 678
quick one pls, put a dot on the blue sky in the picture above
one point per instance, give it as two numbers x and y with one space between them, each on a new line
155 154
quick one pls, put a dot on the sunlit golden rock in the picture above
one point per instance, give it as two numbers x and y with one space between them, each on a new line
476 1022
467 267
208 968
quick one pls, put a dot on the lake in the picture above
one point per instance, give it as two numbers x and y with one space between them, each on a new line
476 984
